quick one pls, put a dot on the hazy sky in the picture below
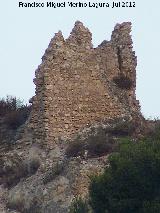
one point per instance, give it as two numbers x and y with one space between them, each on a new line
25 34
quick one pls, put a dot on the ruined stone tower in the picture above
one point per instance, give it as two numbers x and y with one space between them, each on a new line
78 85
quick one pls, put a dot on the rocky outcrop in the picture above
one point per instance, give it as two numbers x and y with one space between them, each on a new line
52 187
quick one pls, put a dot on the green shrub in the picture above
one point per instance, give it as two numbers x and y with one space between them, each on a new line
14 119
151 207
131 183
79 206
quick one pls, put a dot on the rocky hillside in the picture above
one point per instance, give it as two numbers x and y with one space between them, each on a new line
36 179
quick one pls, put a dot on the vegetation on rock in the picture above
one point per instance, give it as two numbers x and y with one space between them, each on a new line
96 144
13 112
123 82
131 183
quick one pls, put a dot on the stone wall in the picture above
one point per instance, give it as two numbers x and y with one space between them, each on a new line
74 83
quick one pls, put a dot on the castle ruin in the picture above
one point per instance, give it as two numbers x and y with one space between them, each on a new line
78 85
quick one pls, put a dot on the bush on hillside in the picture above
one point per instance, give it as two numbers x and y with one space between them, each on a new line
75 148
13 112
16 118
124 128
9 104
100 144
96 144
131 183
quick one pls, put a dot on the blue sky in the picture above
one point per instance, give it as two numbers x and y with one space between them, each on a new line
25 34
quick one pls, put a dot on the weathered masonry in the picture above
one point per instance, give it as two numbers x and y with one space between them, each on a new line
78 85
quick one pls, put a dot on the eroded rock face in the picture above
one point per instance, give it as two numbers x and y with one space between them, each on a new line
78 85
32 195
53 186
59 178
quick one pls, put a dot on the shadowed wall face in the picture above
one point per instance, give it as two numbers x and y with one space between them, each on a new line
76 86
